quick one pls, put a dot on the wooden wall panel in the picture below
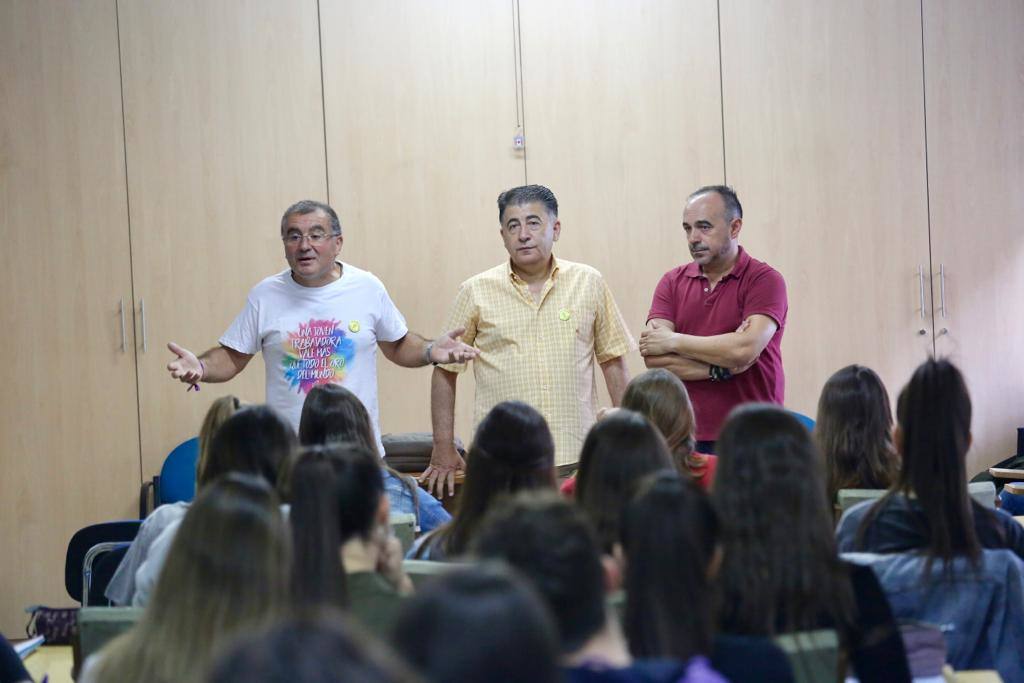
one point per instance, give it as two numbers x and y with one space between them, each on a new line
68 426
224 131
420 108
824 138
974 66
623 121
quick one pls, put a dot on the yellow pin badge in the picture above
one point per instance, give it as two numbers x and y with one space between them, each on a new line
564 315
353 326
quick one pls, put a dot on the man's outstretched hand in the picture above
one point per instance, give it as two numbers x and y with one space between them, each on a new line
185 367
448 349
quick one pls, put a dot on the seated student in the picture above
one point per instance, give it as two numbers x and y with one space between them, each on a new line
321 646
480 623
121 588
928 507
853 431
780 570
670 536
549 541
344 554
661 397
255 440
928 514
512 451
618 452
332 413
226 573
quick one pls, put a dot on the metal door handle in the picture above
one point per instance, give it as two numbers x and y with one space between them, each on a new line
920 282
942 289
124 343
142 315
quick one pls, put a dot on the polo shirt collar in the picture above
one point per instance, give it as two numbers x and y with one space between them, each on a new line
693 270
515 278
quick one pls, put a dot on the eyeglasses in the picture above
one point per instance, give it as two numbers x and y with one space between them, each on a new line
316 238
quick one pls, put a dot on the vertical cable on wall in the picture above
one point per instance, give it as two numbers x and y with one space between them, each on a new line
323 104
927 180
517 65
131 252
721 89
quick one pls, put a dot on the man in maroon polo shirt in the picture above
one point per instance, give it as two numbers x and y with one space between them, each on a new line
717 322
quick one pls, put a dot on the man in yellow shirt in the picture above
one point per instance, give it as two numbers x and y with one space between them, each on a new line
541 325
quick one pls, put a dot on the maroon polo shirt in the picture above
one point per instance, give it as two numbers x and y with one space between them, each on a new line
683 297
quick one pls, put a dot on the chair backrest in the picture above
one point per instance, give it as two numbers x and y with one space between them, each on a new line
804 420
980 609
421 571
403 525
98 567
99 625
84 539
178 475
983 492
814 655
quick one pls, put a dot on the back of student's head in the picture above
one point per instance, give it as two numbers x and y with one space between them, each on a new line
330 414
321 646
337 492
853 430
219 412
618 452
226 571
550 542
780 570
661 397
512 451
255 440
669 534
481 623
934 416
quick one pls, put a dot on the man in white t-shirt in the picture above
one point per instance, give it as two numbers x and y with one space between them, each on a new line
319 322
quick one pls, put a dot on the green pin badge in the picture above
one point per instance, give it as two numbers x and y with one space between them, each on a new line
564 314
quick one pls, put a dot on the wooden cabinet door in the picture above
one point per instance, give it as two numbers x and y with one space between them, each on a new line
825 144
224 130
69 439
420 105
623 121
974 68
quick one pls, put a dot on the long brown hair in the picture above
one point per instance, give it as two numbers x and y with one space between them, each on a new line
781 571
853 431
226 572
512 451
218 413
661 397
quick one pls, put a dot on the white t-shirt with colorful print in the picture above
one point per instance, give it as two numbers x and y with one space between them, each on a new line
318 335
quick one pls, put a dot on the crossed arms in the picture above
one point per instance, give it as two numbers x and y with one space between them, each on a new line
689 356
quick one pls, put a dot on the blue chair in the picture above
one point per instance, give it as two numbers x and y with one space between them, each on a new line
177 478
804 420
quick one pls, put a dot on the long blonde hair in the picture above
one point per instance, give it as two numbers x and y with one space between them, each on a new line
219 412
227 572
661 397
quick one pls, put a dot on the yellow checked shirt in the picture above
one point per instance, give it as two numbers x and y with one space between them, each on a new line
541 353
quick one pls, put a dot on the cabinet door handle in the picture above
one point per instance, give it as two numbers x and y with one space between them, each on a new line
920 282
942 289
124 343
142 315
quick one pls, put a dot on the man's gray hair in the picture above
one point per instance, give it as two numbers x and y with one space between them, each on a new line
732 203
309 206
527 194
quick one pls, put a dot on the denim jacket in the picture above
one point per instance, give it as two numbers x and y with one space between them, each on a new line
980 610
429 512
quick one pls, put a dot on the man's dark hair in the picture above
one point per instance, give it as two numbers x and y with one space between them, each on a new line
550 543
733 208
526 194
309 206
